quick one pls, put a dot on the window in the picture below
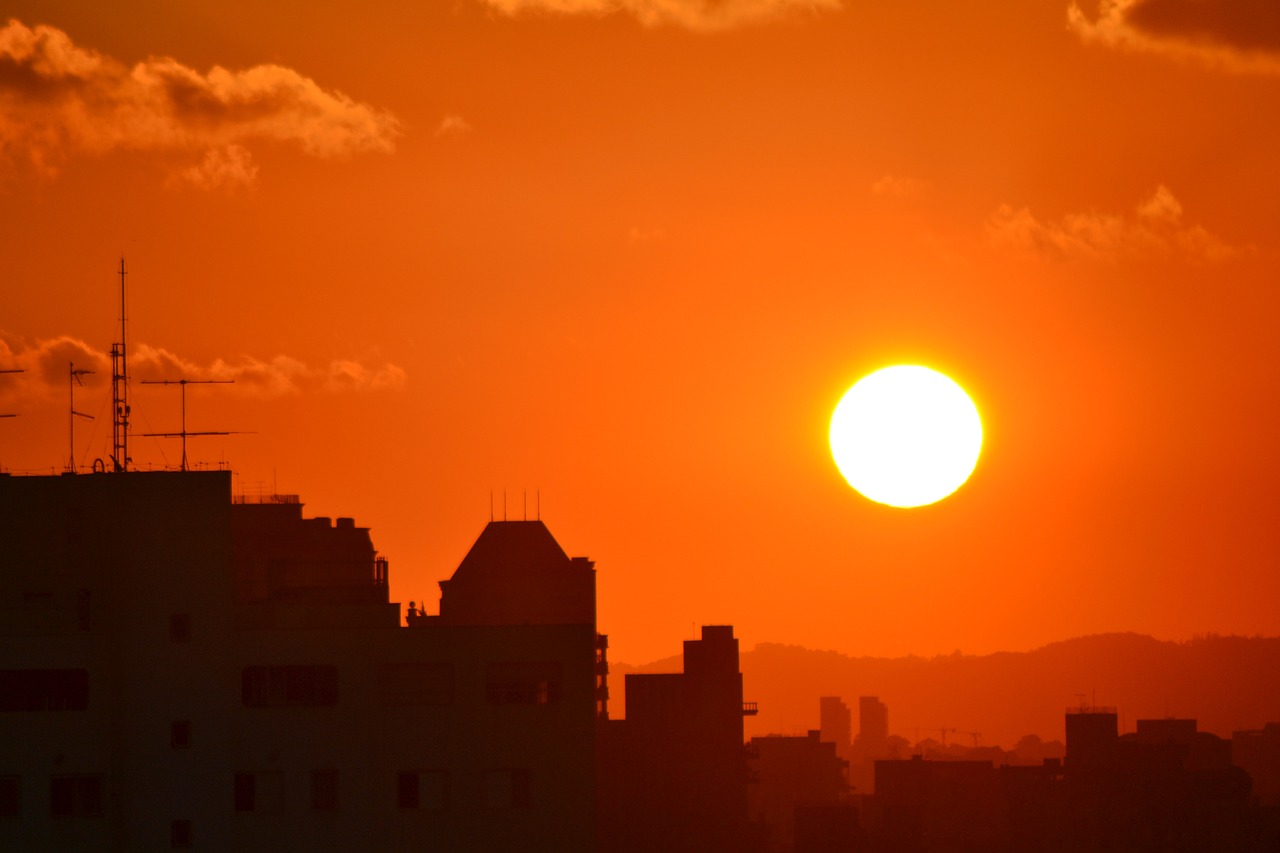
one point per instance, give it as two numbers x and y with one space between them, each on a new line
507 789
180 734
245 792
408 792
289 686
524 683
44 689
180 627
324 790
421 789
180 834
10 796
415 684
259 792
75 796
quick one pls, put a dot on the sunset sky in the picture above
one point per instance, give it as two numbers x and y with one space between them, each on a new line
625 256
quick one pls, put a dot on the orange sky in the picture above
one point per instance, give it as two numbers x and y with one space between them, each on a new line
628 254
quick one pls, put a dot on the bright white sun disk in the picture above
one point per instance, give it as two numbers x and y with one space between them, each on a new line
906 436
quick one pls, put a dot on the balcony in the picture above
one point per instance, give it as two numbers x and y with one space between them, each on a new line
750 709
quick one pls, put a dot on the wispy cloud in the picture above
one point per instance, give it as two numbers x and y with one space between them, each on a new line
452 125
897 185
1240 35
57 99
229 169
47 362
699 15
1155 229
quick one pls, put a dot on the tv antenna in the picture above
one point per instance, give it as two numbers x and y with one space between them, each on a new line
120 391
183 383
11 370
73 379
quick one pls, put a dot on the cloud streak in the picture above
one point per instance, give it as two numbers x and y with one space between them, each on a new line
46 363
1154 230
57 98
697 15
1240 35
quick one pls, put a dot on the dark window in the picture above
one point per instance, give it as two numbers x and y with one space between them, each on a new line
415 684
180 627
408 795
44 689
180 834
180 734
75 796
524 683
10 796
422 789
324 790
507 789
246 792
289 686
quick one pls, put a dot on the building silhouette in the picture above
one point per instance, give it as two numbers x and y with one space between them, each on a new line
178 670
835 723
673 774
798 784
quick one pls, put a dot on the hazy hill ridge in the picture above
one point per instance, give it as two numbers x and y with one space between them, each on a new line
1226 682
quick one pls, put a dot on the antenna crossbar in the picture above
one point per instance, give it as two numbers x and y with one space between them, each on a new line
184 432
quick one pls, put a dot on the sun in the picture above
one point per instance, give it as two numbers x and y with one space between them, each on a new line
906 436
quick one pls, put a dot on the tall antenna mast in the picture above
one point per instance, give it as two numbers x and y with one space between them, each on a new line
183 383
120 391
73 379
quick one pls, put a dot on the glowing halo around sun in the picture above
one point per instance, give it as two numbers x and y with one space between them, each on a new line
906 436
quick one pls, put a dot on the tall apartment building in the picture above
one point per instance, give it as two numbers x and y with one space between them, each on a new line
181 671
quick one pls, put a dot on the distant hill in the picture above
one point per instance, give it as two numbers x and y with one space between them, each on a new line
1227 683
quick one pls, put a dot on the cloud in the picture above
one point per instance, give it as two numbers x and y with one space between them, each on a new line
46 365
57 98
1154 230
1240 35
230 168
894 185
698 15
453 126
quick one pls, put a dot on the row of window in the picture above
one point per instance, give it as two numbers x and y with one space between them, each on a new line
306 686
82 795
401 684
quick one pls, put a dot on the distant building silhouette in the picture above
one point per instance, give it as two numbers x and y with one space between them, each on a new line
836 724
1165 787
789 774
181 671
672 774
871 744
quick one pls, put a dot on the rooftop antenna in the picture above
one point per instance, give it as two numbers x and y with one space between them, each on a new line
183 383
73 379
120 391
11 370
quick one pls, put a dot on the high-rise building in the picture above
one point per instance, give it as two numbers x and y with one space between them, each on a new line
835 723
181 670
673 774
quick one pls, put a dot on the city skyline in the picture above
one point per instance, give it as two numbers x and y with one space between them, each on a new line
614 265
